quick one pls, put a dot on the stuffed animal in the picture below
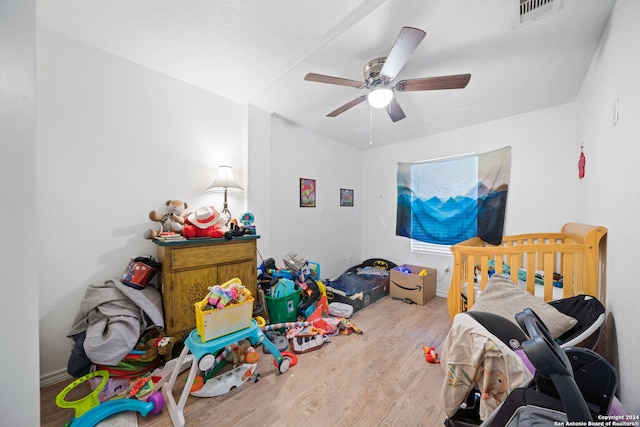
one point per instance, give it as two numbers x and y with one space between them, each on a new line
220 297
430 354
203 222
156 347
170 221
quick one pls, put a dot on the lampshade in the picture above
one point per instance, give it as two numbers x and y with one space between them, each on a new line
380 97
225 181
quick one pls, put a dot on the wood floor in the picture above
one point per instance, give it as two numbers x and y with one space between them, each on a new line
379 378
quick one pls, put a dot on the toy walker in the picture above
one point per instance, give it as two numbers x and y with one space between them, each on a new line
202 358
89 411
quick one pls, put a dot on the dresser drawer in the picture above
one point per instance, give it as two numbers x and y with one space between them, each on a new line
202 256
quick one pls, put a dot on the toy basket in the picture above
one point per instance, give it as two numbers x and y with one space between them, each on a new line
212 324
283 308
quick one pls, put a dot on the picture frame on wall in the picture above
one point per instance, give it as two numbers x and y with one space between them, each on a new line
307 193
346 197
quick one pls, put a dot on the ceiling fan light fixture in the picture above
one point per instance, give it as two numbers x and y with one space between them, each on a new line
380 97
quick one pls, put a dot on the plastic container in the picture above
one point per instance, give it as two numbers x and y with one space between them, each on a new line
212 324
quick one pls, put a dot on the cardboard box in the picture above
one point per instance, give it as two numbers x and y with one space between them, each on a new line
417 288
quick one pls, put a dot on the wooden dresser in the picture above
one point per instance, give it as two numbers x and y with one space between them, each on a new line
189 267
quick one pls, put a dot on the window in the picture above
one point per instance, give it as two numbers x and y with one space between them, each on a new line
429 248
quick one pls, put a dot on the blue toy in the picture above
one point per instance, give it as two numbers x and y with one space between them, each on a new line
89 411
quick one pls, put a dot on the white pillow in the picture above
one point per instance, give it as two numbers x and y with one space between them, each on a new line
503 297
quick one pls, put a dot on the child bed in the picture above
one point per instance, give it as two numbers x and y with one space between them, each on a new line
549 265
361 284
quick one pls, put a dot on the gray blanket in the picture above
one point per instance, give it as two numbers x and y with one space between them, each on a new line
113 316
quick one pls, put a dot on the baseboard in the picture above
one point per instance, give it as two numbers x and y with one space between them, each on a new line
442 294
55 377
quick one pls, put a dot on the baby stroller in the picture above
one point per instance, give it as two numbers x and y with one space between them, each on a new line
542 390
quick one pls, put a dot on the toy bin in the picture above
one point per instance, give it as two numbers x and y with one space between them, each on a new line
283 306
215 323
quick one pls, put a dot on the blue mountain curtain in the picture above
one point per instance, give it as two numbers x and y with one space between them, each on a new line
447 201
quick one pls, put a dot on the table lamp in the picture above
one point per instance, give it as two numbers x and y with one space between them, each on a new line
225 183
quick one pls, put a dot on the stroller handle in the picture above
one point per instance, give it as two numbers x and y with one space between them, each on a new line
551 361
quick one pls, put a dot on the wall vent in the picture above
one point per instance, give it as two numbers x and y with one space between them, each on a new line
527 11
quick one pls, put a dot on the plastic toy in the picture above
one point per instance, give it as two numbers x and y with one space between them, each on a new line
347 328
430 354
220 297
89 411
305 343
237 231
239 353
223 383
247 219
202 358
261 322
293 357
309 287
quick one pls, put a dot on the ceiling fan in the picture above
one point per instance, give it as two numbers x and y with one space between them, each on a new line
379 73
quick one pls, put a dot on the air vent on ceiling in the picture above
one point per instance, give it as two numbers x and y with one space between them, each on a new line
527 11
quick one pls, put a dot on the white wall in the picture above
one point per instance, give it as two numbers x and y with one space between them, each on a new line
328 234
19 404
608 194
544 154
115 140
259 187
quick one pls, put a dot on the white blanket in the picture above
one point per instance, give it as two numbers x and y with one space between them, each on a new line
472 355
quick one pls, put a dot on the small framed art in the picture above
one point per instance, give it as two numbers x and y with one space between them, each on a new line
346 197
307 193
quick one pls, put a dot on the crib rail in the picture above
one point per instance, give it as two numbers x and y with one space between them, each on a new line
573 254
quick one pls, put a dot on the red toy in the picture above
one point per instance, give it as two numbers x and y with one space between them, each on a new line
203 222
430 354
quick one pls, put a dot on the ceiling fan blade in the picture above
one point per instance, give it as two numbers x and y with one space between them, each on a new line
407 41
457 81
395 111
346 106
321 78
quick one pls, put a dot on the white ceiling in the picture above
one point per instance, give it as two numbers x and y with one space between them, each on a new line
259 51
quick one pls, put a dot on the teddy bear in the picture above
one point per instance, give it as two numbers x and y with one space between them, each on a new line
203 222
156 347
170 221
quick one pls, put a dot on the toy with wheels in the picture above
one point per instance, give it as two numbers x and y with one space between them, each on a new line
89 411
202 357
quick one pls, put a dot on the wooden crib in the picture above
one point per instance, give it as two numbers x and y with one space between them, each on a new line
573 254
